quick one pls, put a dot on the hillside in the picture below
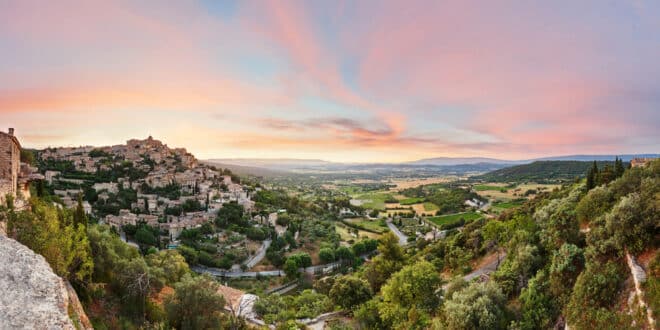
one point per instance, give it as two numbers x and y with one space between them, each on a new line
540 171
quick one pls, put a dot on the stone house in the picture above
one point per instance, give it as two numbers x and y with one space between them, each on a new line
14 175
10 164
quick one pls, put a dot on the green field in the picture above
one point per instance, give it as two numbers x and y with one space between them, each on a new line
411 201
428 206
508 205
375 200
484 187
373 225
453 218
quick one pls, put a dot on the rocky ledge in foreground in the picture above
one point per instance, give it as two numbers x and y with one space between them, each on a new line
31 295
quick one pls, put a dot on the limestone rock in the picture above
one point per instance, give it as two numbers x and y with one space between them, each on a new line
31 295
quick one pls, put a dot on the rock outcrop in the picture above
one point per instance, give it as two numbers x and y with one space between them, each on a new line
31 295
639 277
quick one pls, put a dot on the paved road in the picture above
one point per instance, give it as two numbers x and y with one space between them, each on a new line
231 274
403 239
485 269
261 253
277 272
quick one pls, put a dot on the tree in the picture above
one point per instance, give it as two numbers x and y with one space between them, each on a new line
168 265
592 176
344 255
478 306
108 251
517 269
134 283
628 227
596 290
51 233
389 261
350 291
559 222
368 316
79 216
188 253
302 259
27 156
606 175
389 248
618 167
327 255
230 213
538 306
145 236
567 264
594 204
291 268
414 286
195 304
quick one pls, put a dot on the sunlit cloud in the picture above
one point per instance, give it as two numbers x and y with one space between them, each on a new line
339 81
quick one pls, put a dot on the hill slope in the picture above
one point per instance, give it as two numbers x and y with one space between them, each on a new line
540 171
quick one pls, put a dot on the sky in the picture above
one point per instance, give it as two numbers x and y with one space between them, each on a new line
352 81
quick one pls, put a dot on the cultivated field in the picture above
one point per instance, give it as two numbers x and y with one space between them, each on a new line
452 218
502 191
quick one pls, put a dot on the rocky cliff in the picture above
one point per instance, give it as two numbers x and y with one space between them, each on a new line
31 295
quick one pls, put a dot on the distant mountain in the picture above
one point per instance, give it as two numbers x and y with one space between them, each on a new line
248 170
541 171
439 161
443 161
275 163
438 165
589 158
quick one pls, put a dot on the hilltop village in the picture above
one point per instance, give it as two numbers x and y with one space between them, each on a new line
142 181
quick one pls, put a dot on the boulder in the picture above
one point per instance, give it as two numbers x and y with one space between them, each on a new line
31 295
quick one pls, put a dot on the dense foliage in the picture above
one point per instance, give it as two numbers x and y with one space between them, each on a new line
541 172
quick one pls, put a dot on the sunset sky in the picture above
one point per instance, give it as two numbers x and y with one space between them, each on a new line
344 81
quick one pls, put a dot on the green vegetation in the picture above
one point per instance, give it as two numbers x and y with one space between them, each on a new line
411 201
374 226
540 172
442 198
279 309
55 235
482 187
508 204
550 269
376 200
428 206
454 220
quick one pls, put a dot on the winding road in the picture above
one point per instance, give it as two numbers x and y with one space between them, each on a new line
403 239
261 253
485 269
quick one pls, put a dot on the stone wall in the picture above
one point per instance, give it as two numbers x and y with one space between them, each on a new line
10 164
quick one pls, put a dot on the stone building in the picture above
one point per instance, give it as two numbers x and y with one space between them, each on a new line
10 164
14 175
640 162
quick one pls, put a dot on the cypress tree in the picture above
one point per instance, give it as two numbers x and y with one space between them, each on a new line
79 216
592 176
618 167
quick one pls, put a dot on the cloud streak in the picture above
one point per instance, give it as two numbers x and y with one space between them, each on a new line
341 81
